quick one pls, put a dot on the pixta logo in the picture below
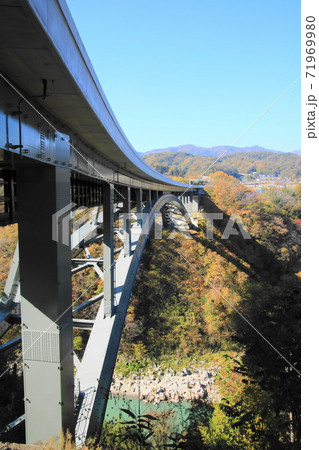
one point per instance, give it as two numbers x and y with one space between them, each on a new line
230 229
233 227
133 225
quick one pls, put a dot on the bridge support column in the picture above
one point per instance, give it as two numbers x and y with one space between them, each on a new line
108 249
196 203
154 196
190 203
46 299
127 220
139 206
148 200
184 200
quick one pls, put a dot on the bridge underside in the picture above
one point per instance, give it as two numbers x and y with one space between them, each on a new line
46 258
61 149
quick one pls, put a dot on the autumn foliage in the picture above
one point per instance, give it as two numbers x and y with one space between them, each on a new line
184 313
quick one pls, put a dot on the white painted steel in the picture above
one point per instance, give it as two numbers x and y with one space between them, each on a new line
96 369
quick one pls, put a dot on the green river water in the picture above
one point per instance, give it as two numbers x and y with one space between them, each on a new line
115 403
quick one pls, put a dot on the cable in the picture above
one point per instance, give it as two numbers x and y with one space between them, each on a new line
248 128
54 323
56 130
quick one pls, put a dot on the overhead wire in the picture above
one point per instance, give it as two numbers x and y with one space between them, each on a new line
57 131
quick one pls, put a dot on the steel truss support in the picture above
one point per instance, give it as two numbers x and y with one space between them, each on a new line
108 249
8 212
86 191
127 222
154 196
96 369
196 203
139 205
148 205
187 200
190 200
46 308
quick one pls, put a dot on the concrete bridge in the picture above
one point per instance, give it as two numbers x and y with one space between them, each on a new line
61 148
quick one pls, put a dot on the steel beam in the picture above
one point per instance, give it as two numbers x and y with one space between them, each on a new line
96 369
154 196
127 221
148 205
108 248
139 205
46 301
88 303
10 344
83 324
196 203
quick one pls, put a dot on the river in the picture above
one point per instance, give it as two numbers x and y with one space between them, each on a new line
116 403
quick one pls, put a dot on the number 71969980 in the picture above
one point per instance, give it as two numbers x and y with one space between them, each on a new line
310 46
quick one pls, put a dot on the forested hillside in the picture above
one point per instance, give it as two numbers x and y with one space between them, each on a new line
180 316
284 165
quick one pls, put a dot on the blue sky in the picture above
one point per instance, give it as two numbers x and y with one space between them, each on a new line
197 71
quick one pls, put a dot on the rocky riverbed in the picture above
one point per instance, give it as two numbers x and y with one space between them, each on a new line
168 386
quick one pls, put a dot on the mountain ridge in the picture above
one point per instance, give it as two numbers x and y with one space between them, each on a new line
180 164
213 151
